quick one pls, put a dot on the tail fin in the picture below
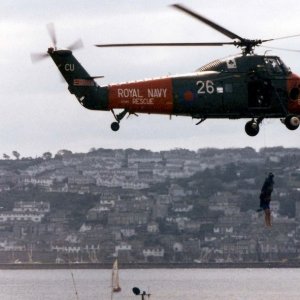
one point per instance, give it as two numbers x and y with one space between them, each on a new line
80 83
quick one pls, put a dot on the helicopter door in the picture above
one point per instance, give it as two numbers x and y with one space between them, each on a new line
259 93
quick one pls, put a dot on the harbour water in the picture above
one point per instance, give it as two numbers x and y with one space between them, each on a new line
163 284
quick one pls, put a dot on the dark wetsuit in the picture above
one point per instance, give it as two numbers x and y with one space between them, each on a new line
266 191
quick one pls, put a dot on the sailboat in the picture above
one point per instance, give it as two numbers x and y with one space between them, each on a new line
115 285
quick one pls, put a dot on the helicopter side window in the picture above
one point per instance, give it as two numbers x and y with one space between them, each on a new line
228 87
273 66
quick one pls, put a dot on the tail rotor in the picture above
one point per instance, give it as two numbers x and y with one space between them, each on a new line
76 45
37 57
52 34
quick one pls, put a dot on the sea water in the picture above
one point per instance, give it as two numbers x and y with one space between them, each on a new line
164 284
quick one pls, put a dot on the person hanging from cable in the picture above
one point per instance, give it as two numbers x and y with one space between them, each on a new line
265 198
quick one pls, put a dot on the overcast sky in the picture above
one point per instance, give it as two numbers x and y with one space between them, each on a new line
38 114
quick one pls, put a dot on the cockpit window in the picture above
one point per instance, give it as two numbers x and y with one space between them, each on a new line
273 66
284 66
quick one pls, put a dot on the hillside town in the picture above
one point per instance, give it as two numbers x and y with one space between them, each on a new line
176 206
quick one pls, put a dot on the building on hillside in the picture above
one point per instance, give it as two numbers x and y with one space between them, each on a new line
21 216
154 253
32 206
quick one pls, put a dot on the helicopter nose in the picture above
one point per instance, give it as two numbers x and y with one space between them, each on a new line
293 89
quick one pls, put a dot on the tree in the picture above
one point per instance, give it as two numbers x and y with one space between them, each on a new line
47 155
16 154
5 156
63 152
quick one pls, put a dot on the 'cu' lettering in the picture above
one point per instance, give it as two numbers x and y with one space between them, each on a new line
69 67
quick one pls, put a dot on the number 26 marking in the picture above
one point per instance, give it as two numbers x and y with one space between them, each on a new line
205 87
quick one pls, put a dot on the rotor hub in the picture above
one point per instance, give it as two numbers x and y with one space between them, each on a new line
51 50
247 45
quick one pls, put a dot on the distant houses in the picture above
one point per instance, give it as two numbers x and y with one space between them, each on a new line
143 206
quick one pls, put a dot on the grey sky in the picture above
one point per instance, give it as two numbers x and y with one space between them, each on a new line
37 113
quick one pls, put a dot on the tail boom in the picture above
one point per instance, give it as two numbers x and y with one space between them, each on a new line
80 83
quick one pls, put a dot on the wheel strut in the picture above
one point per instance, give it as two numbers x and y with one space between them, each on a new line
201 120
115 126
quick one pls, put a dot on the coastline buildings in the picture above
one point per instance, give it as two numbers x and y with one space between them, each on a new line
143 206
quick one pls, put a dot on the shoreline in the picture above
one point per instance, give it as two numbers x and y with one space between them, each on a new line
45 266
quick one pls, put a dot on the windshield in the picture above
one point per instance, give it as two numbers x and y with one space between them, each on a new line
275 66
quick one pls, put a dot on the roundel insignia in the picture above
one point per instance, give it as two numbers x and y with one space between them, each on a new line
188 96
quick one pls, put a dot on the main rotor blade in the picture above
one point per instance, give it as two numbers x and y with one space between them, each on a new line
208 22
163 44
281 49
51 31
281 38
284 37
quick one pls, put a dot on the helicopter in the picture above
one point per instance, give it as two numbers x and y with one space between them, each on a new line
243 86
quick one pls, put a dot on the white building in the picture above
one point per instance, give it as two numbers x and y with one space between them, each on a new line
153 227
21 216
66 248
154 252
123 247
39 207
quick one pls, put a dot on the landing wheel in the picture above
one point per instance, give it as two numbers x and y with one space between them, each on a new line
115 126
291 122
252 128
